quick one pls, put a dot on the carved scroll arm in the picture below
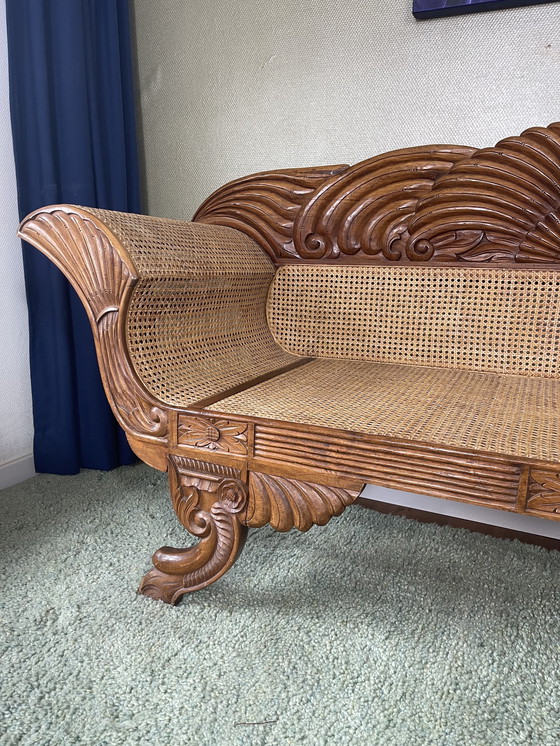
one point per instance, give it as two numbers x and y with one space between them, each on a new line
157 289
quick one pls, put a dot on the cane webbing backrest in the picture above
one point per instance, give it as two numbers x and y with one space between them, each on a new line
495 320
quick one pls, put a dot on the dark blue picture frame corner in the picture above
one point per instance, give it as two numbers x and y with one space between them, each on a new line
423 9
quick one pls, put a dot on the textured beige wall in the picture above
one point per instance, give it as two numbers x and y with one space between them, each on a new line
237 86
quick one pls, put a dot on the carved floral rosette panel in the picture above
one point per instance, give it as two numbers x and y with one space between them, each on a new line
213 434
438 203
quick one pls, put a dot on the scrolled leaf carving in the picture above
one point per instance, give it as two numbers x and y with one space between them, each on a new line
133 406
291 503
265 205
438 203
209 501
505 200
365 209
75 243
544 491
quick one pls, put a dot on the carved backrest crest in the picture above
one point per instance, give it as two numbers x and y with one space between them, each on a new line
446 204
364 211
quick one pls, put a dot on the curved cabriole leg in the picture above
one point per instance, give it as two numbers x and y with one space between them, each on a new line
208 500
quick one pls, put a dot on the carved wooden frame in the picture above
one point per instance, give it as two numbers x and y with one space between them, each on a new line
448 205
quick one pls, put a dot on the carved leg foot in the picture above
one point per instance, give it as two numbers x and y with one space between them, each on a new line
208 500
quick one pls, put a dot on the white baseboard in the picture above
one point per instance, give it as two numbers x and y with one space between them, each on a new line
16 471
491 516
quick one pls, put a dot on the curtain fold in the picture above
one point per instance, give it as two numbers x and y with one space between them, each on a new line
73 126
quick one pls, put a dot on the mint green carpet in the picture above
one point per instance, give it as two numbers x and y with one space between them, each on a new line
372 630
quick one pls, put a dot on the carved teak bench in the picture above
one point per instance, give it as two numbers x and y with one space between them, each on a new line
394 322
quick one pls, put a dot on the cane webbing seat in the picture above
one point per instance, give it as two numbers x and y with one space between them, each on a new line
460 357
465 358
510 415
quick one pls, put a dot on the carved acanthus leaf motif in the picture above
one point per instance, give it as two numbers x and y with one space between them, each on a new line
213 434
507 196
264 205
84 253
365 209
208 500
544 491
290 503
103 276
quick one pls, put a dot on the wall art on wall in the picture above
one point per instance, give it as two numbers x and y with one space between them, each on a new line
435 8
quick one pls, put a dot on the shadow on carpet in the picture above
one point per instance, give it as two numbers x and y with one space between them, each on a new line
372 630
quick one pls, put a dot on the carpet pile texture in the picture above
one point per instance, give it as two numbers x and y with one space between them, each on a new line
372 630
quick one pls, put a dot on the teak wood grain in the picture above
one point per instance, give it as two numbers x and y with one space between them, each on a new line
439 205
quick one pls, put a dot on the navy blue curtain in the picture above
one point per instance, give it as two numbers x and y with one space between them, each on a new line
72 108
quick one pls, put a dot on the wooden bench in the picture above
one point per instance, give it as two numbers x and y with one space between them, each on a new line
395 322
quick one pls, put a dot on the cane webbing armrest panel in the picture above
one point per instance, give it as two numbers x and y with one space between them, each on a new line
161 247
510 415
495 320
196 324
